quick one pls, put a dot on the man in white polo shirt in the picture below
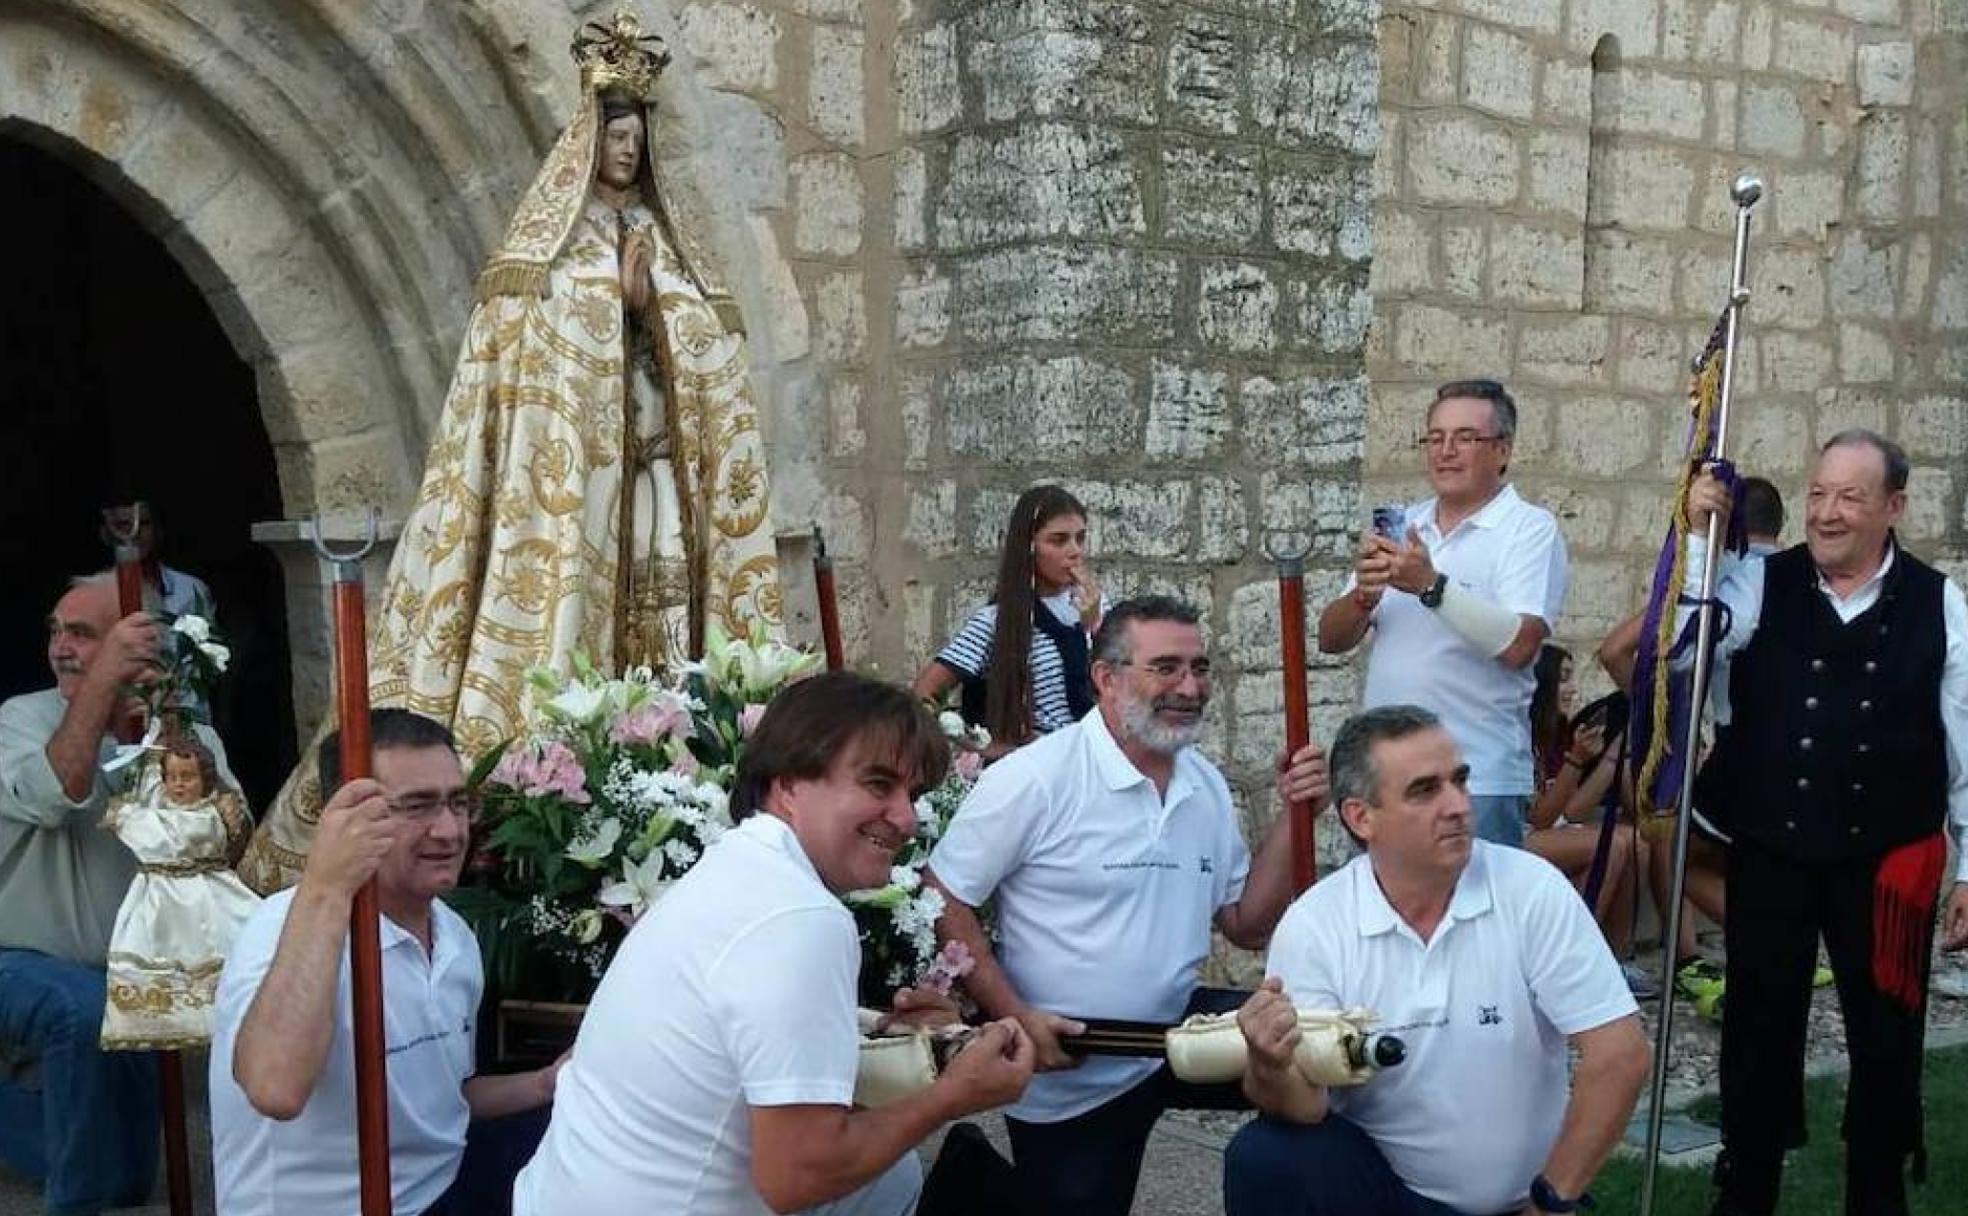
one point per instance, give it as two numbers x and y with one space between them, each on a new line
1484 962
1110 848
714 1071
1460 603
283 1061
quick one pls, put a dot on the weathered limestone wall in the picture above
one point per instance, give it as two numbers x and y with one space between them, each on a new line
1562 221
1137 230
1133 244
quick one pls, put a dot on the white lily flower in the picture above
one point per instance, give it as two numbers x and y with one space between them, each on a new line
219 655
197 628
595 850
641 886
579 703
952 724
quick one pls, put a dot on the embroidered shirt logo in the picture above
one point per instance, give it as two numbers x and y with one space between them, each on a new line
1203 864
1487 1015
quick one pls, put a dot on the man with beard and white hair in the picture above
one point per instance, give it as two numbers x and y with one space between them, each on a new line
1110 847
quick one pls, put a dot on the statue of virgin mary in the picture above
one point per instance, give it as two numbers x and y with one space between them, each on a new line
597 483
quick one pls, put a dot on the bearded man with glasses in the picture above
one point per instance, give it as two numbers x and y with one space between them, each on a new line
1110 847
283 1063
1460 598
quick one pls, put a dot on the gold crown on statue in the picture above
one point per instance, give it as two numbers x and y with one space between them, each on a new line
616 56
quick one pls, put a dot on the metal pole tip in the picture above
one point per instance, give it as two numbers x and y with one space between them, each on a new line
1746 190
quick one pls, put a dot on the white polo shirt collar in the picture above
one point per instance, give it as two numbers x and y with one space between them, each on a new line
1375 915
1120 773
1492 513
772 832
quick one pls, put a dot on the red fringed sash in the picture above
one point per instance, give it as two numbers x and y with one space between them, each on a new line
1903 895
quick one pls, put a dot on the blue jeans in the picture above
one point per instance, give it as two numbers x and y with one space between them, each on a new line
1330 1168
1500 817
90 1132
495 1151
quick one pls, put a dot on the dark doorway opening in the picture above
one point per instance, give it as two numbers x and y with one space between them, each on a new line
117 383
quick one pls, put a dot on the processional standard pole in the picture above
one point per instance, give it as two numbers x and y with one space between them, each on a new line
365 945
823 587
1745 192
170 1064
1298 728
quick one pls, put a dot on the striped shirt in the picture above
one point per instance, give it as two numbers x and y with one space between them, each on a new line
969 655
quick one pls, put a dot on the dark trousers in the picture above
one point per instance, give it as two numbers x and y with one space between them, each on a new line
1777 910
1088 1165
1329 1168
495 1151
89 1131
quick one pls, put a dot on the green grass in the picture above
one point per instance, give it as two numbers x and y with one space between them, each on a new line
1814 1180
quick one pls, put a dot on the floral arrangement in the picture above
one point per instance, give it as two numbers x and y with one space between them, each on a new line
616 790
190 662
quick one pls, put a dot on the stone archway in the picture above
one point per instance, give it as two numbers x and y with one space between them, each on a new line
332 187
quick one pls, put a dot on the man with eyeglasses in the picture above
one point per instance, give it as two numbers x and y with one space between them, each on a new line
1110 847
283 1064
1460 600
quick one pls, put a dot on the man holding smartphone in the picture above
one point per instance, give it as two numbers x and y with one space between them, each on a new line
1460 598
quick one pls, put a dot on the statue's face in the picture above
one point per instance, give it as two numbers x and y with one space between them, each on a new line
621 151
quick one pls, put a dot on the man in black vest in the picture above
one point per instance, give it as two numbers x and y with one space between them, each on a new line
1844 757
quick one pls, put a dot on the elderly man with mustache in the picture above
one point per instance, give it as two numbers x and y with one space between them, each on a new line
89 1128
1111 846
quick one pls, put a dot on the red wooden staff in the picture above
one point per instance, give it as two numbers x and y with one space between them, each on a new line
365 946
129 729
823 587
1298 726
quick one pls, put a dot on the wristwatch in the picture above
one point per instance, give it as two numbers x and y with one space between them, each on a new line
1545 1197
1432 598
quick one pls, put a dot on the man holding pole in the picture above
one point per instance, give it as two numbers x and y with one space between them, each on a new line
1460 597
1111 847
283 1056
90 1127
1845 755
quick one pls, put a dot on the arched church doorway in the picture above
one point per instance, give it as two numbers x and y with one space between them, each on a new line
117 382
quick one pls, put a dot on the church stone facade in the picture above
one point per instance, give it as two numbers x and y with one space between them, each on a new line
1202 260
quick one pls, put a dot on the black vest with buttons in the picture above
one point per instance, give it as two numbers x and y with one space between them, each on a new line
1835 749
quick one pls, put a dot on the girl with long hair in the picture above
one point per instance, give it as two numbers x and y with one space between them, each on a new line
1021 659
1576 760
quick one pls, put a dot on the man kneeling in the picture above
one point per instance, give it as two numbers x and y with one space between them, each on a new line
1485 961
283 1056
714 1071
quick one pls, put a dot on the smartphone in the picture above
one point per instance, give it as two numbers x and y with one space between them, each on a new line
1391 522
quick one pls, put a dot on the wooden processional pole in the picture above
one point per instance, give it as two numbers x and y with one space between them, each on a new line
170 1064
823 588
365 943
1298 726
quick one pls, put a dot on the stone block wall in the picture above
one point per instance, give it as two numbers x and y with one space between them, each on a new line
1132 244
1551 208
